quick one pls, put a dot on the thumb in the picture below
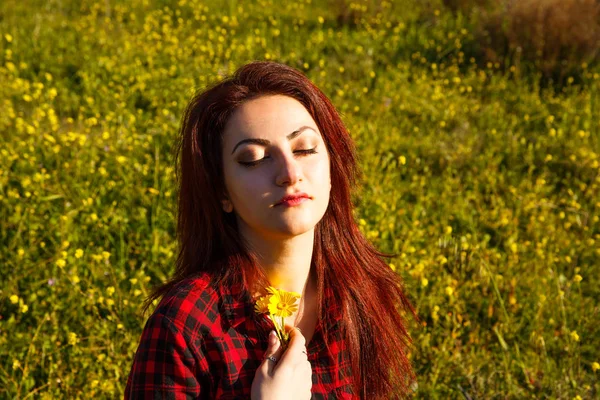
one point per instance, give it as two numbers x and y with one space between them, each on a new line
274 350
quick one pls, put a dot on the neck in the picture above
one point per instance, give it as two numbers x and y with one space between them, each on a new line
285 261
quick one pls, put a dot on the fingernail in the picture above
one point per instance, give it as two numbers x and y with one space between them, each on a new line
272 338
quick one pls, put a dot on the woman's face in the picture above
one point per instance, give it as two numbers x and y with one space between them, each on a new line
278 136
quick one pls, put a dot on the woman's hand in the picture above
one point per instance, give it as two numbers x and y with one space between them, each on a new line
288 378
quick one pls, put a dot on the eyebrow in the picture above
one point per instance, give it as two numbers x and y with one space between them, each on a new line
265 142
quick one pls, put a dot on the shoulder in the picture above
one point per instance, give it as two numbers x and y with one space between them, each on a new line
192 306
171 360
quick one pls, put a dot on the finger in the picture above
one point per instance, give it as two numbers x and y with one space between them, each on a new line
308 375
304 356
296 335
274 350
297 344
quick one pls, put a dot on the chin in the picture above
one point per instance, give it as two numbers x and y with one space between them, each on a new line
295 229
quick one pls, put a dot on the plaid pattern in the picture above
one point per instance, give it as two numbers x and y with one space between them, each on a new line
206 343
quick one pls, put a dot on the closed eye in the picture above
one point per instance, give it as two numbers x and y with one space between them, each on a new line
254 163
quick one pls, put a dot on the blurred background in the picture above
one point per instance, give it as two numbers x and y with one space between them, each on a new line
477 126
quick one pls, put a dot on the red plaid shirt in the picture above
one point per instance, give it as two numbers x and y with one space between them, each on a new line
206 343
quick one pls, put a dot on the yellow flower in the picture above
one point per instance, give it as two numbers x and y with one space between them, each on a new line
595 366
262 305
278 303
271 290
283 304
575 336
14 299
72 338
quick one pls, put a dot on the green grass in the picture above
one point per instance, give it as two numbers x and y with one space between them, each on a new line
485 184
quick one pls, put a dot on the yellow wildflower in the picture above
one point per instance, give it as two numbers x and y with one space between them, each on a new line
278 303
72 338
575 336
14 299
595 366
283 304
262 305
272 290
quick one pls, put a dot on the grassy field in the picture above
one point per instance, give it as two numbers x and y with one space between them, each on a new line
483 181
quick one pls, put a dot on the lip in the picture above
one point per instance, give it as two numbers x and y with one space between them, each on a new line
293 199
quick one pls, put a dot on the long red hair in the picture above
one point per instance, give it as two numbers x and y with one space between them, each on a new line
370 294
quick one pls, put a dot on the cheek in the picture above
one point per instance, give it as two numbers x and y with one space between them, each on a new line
246 188
320 172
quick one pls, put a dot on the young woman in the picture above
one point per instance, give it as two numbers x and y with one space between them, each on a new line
265 173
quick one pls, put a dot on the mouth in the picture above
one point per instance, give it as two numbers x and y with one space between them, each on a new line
293 200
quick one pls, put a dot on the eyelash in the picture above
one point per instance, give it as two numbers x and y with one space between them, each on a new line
251 164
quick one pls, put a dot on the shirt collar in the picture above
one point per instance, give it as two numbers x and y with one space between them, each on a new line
236 302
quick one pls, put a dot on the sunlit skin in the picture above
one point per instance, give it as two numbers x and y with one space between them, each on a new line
282 237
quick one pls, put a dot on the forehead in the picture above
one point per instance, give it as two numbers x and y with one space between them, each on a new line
267 115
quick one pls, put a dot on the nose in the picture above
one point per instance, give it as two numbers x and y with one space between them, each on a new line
288 172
